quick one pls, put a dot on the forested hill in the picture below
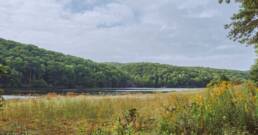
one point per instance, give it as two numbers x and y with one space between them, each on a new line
31 67
162 75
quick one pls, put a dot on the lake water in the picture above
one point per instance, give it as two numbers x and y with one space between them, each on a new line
111 91
155 89
9 97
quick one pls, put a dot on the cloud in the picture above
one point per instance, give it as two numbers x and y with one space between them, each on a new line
188 33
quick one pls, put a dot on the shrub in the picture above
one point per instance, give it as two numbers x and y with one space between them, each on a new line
224 107
1 99
217 79
254 73
126 124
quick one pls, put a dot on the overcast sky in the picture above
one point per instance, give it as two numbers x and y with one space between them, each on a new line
178 32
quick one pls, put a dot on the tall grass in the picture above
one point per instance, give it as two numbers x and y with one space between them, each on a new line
224 109
221 109
71 114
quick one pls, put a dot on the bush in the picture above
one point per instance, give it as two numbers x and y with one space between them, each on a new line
225 108
1 99
126 124
217 79
254 73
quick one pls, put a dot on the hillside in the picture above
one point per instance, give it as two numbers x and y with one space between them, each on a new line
30 66
33 67
162 75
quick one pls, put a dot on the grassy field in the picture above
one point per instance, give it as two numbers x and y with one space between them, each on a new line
222 109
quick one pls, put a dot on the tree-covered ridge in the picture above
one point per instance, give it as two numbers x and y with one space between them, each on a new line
31 67
162 75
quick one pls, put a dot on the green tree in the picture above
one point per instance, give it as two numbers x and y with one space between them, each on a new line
244 27
2 72
33 67
254 71
218 79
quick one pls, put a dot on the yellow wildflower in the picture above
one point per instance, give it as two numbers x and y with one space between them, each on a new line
199 100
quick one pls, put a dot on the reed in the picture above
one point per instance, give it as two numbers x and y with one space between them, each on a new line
216 110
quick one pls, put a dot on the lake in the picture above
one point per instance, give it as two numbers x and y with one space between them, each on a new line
10 97
107 91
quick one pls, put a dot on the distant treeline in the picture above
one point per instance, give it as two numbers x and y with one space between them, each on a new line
28 66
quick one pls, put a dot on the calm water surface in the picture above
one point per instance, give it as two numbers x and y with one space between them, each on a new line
113 91
9 97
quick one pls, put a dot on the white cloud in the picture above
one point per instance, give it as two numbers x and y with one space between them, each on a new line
168 31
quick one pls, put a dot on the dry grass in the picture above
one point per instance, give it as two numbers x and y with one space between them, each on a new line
120 114
54 113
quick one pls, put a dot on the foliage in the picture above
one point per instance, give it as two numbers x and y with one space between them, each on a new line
225 108
244 27
161 75
39 84
126 124
222 109
218 80
1 99
254 72
33 67
3 71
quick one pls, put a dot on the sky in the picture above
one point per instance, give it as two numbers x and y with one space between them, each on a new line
176 32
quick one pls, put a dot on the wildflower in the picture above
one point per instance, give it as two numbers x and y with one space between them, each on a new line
199 100
253 99
239 96
221 88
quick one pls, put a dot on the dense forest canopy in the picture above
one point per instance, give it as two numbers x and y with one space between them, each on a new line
161 75
31 67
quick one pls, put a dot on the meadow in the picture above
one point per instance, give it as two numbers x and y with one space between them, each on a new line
221 109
